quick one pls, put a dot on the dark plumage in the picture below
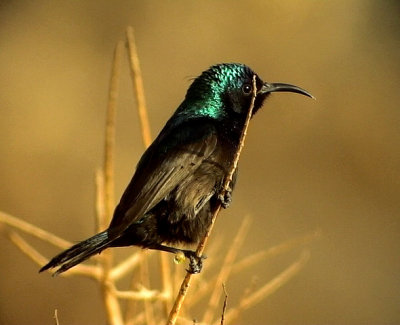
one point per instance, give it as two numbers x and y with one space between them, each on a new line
177 181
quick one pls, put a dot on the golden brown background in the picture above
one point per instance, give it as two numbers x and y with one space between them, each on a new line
331 164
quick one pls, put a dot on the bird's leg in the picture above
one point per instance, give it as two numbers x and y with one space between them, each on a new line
195 262
225 198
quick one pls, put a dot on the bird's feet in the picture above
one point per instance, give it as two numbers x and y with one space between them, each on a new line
225 198
195 262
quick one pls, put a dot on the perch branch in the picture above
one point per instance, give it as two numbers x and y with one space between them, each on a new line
253 259
226 270
186 282
214 253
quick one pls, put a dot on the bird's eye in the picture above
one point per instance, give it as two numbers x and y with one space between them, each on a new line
247 88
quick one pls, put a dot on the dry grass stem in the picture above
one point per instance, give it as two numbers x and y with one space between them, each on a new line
225 304
267 289
138 88
138 319
127 265
100 208
226 270
145 281
274 251
186 282
34 231
131 309
142 295
106 193
110 134
166 282
113 308
26 248
39 259
56 317
277 282
205 287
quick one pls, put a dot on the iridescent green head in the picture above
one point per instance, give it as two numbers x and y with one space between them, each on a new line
225 90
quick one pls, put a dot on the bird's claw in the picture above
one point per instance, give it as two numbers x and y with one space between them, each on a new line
195 263
225 198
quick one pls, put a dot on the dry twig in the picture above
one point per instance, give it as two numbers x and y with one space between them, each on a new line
226 270
274 251
269 288
251 260
106 194
225 304
136 74
56 317
34 231
125 266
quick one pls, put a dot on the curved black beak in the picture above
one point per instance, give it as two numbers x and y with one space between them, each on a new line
272 87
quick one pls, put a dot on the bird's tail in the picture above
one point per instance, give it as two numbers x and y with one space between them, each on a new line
78 253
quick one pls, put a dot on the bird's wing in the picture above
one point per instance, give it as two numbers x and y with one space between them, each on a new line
176 153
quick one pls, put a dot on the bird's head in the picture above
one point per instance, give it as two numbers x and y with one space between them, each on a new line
225 91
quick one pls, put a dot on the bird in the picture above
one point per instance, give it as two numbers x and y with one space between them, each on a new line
177 182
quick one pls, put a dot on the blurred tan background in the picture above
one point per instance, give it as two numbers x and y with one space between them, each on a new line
330 164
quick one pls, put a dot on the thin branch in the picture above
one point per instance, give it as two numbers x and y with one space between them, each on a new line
131 309
251 260
142 295
178 274
269 288
226 270
200 248
26 248
274 251
56 317
100 208
204 287
125 266
136 75
113 309
138 319
110 135
225 304
166 281
39 259
145 281
34 231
